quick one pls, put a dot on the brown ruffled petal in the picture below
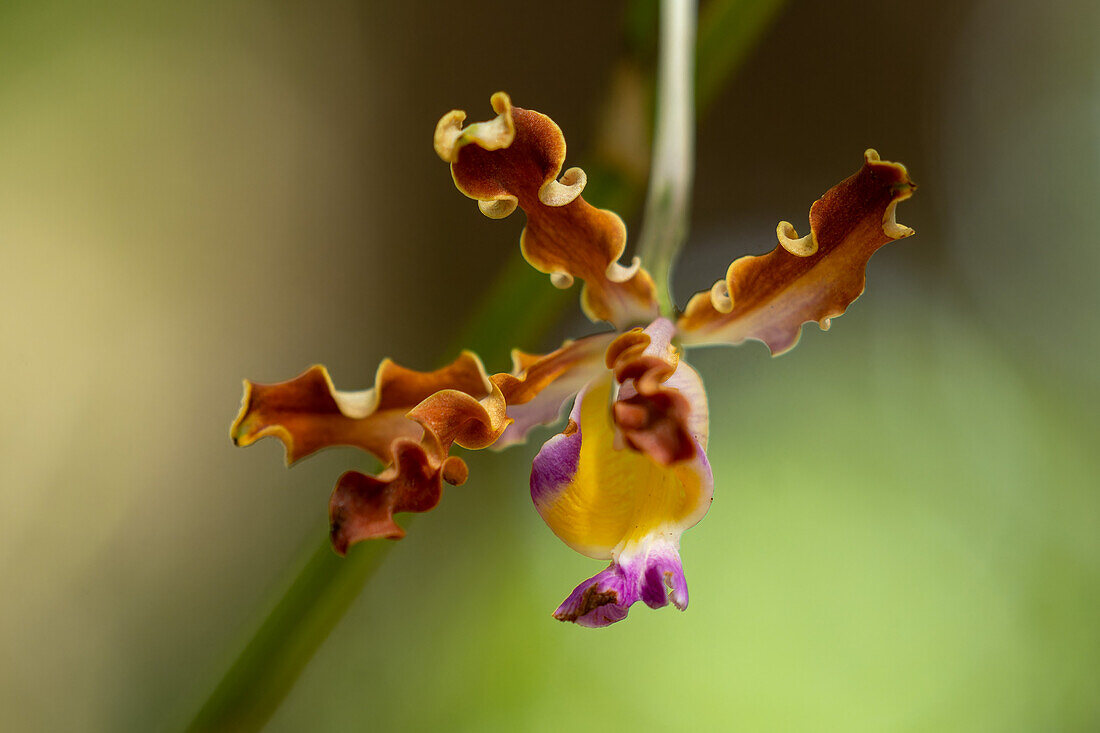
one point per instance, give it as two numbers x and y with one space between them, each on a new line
452 416
515 159
812 278
308 413
409 420
362 506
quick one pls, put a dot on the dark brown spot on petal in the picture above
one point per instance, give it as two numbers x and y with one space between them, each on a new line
592 599
653 418
656 424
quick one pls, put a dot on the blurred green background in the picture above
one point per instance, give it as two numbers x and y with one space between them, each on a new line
905 528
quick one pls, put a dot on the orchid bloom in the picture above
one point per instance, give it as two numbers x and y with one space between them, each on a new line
629 473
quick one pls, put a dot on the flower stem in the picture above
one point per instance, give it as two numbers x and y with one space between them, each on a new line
668 201
728 30
270 663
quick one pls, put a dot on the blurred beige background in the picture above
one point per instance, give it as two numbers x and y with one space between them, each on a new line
905 531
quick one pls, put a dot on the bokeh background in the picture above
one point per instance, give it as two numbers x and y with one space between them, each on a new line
905 528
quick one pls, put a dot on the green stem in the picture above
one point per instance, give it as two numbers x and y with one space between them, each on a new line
728 30
269 665
517 309
668 202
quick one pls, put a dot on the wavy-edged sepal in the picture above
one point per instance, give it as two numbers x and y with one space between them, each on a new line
812 278
565 236
308 413
650 571
599 499
362 506
539 385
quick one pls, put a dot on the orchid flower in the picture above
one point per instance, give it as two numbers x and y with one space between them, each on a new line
629 472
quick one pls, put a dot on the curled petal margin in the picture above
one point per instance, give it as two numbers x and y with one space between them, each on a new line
810 278
515 160
362 506
308 413
409 420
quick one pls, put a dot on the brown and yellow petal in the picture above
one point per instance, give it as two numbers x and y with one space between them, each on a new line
539 385
308 413
810 278
362 506
409 420
515 160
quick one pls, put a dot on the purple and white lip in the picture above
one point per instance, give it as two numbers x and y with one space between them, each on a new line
650 572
